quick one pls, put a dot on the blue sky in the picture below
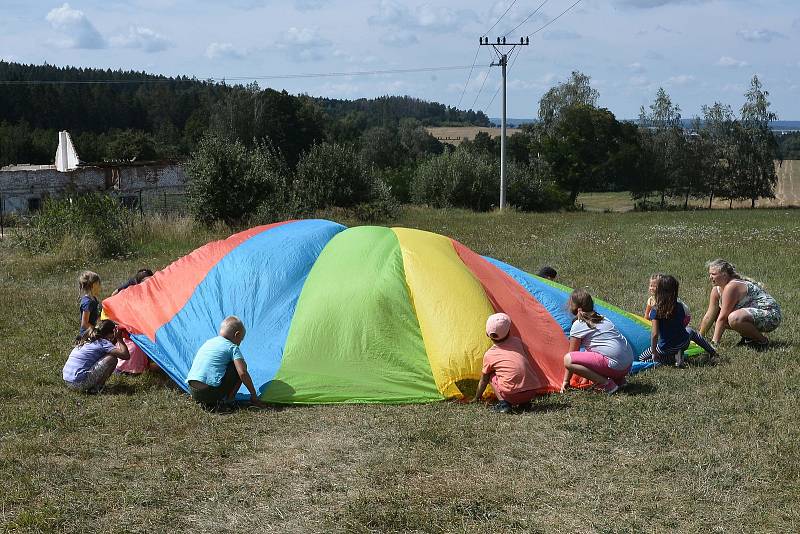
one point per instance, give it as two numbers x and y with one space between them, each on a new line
700 51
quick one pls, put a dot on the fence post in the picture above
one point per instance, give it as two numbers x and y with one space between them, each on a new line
141 208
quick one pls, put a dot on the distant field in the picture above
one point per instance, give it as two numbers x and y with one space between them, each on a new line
457 134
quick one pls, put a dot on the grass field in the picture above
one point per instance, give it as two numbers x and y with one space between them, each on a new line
706 449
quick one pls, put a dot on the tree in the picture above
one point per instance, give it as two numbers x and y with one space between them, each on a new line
580 149
664 143
575 91
228 181
718 140
758 145
457 178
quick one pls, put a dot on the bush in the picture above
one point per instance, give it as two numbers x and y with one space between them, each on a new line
332 174
90 225
230 183
533 188
457 178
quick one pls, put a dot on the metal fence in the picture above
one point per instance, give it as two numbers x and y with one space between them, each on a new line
171 201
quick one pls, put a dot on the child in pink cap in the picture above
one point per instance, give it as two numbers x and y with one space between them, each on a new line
507 366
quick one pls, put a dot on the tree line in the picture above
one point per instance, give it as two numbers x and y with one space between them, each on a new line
120 115
267 154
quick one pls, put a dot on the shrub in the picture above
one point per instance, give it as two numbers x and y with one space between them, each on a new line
533 188
457 178
333 174
91 224
229 182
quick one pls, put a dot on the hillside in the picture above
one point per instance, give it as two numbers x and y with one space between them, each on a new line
163 117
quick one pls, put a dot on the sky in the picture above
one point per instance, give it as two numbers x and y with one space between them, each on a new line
699 51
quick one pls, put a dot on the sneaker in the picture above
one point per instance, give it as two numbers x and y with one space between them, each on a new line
744 341
525 406
680 360
502 407
622 382
759 346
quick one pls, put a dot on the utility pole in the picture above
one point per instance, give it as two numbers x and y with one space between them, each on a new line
502 61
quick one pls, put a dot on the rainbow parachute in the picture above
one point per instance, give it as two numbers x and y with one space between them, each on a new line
363 314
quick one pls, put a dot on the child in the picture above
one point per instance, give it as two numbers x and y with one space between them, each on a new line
93 360
607 357
547 272
506 366
651 300
670 336
140 276
90 307
219 369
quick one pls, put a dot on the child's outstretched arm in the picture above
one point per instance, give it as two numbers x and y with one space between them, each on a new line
241 368
484 381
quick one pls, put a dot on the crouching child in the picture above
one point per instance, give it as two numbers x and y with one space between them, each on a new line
219 369
506 366
95 357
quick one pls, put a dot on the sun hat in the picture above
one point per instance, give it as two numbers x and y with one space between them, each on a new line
498 325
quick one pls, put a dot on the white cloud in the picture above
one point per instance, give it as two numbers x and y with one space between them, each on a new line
423 17
304 44
310 5
79 31
648 4
636 67
761 35
141 37
727 61
652 54
733 88
680 79
638 81
350 58
223 51
399 38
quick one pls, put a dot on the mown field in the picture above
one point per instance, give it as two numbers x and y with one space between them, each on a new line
706 449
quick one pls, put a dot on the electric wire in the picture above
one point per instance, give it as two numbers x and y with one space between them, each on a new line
558 17
514 60
501 17
475 59
469 76
526 19
485 77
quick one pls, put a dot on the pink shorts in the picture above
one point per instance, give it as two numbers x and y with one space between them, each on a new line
598 363
512 397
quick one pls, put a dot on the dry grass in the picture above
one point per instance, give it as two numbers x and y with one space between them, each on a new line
708 449
455 135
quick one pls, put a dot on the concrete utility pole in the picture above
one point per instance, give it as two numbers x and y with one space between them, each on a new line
502 57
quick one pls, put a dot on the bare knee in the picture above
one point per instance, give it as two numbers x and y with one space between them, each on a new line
567 360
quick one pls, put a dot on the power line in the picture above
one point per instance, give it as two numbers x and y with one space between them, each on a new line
514 60
527 18
558 17
488 69
469 76
501 17
239 78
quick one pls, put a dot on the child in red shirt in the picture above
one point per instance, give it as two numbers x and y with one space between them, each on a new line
507 366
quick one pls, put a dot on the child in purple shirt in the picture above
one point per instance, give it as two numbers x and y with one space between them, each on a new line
94 358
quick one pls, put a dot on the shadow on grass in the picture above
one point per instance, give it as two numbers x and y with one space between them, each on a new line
638 388
542 407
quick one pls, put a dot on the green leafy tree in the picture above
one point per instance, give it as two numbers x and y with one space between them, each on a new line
577 91
579 149
228 182
664 144
758 146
